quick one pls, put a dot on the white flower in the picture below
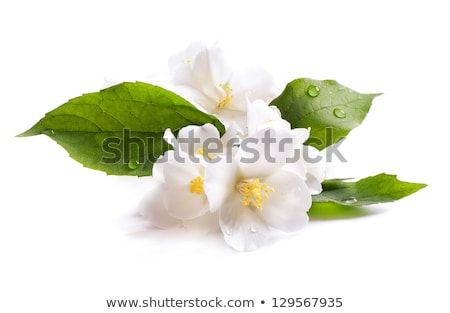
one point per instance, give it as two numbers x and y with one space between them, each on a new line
203 141
305 161
179 186
249 187
152 206
177 196
262 116
255 197
204 76
246 191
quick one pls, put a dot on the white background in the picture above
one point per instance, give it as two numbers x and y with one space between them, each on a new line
69 236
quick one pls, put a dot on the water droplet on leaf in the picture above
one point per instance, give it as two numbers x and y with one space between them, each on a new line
339 113
313 91
133 164
350 200
49 132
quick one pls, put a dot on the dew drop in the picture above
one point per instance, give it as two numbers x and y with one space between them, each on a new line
350 200
133 164
49 132
339 113
313 91
253 229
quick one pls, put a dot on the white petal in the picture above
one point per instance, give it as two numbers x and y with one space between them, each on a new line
158 167
183 204
170 138
252 84
258 113
265 152
219 182
300 136
197 97
243 229
230 135
182 171
202 132
180 64
204 79
227 117
207 223
192 138
261 116
314 184
169 157
179 201
286 207
221 70
181 75
315 168
309 164
230 142
152 207
296 166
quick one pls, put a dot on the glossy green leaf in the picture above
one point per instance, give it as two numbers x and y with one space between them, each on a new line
119 130
371 190
335 211
330 109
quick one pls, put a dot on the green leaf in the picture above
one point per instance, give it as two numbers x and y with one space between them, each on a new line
332 211
119 130
371 190
330 109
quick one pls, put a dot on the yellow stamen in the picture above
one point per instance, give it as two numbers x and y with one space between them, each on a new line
254 193
202 152
197 185
188 61
228 96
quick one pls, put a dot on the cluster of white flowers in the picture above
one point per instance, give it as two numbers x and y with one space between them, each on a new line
255 178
